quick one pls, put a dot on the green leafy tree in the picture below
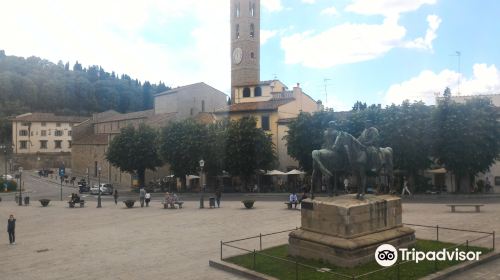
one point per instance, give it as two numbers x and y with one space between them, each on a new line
248 149
305 134
466 138
182 145
135 150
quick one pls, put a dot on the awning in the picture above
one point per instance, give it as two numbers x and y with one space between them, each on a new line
437 171
275 173
295 172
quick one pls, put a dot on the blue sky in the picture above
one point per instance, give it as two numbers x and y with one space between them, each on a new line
376 51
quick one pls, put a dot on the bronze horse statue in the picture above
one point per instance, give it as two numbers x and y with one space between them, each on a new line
348 154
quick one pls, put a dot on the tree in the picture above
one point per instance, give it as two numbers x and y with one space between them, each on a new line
248 149
305 134
134 151
405 128
466 138
182 145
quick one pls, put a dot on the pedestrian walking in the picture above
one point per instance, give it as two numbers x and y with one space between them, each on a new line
115 195
142 195
346 185
218 195
148 199
11 229
405 187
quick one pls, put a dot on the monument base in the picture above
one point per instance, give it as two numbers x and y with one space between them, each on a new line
346 231
346 252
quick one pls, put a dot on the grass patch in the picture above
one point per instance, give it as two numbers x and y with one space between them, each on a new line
285 270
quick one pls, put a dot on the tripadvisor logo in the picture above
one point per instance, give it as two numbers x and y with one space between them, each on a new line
387 255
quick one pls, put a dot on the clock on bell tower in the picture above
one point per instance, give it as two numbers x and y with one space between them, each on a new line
245 44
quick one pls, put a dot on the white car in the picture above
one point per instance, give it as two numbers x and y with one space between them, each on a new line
105 189
7 177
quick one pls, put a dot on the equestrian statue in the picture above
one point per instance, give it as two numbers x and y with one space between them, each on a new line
343 152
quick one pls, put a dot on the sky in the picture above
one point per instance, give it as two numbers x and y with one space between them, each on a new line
342 51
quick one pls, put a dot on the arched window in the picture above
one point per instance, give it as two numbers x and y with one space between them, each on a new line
258 91
252 30
252 9
237 10
203 105
237 31
246 92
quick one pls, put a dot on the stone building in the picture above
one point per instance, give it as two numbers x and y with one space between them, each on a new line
92 137
42 140
270 102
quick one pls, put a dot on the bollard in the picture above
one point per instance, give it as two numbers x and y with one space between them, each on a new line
467 245
493 241
260 237
296 270
221 250
437 232
253 259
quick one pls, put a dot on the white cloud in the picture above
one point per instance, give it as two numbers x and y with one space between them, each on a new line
341 44
113 36
426 42
265 35
272 5
331 11
485 79
309 1
386 7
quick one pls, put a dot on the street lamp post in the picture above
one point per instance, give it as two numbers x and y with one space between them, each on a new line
202 164
99 187
20 186
4 147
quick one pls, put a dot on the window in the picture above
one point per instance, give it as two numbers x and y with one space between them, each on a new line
70 132
43 133
23 132
252 9
49 132
203 105
252 30
497 180
44 124
252 55
265 123
58 124
237 10
246 92
58 144
69 143
23 145
43 144
258 91
58 133
237 31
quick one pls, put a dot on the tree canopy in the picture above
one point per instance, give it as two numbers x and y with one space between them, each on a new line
135 150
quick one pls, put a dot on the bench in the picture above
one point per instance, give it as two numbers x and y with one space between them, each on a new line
477 206
172 206
72 204
289 204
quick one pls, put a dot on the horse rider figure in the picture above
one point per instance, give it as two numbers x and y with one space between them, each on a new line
370 139
330 134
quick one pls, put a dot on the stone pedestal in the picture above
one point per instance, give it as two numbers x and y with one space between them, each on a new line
346 232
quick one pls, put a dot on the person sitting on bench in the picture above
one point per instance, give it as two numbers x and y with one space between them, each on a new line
293 199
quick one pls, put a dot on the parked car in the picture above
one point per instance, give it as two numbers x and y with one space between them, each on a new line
7 177
83 187
105 189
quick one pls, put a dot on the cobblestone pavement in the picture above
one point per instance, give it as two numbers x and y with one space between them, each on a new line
155 243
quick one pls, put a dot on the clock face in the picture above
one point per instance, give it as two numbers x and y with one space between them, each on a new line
237 55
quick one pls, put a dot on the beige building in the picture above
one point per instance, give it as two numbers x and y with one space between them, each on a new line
34 133
270 102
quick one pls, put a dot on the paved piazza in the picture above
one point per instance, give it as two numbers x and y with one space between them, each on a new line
156 243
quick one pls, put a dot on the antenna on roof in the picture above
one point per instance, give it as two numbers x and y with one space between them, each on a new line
458 54
326 93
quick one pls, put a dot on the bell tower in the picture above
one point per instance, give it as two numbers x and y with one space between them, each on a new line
245 44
